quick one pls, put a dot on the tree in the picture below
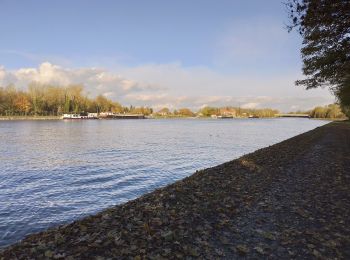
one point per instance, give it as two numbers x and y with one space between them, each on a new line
2 100
185 112
164 111
343 94
54 97
330 111
11 94
318 112
36 97
142 110
325 28
22 103
334 111
75 92
209 111
103 104
117 108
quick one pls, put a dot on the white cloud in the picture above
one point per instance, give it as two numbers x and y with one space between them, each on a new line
250 105
96 80
175 86
158 101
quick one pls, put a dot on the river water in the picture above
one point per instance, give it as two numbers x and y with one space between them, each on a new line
53 172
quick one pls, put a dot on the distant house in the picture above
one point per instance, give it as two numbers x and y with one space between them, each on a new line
228 112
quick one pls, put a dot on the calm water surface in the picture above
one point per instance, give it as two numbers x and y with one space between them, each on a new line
53 172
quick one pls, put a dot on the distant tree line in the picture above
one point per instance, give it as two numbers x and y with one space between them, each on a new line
217 111
54 100
182 112
332 111
238 112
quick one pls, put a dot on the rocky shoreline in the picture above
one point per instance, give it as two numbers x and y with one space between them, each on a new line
289 200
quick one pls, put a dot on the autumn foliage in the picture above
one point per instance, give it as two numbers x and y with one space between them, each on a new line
54 100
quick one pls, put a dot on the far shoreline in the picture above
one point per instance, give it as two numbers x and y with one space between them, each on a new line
51 118
24 118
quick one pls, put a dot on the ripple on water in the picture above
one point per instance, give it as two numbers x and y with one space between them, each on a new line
55 172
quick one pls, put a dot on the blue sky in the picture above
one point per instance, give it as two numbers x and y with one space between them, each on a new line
159 53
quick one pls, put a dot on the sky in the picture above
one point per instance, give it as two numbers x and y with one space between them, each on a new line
158 53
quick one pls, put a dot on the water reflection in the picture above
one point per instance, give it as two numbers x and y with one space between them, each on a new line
56 171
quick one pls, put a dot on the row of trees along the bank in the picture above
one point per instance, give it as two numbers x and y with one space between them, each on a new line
332 111
55 100
325 28
238 112
217 111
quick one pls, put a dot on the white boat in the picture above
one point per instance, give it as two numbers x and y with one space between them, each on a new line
225 117
71 116
80 116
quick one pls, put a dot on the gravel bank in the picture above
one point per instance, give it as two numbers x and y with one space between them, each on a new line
289 200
